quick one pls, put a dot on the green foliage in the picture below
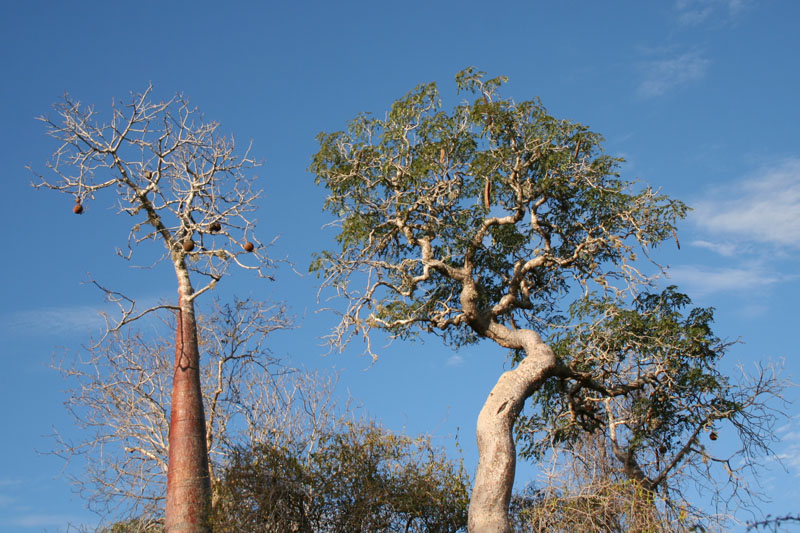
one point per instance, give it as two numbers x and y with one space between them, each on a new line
361 478
493 192
663 359
641 398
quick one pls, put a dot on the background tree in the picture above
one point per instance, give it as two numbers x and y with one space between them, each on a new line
359 477
580 489
183 184
479 223
641 408
120 393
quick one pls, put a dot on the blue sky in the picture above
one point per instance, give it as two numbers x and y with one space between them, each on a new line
700 97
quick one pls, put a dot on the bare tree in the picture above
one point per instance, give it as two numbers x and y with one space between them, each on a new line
120 401
579 489
182 184
477 223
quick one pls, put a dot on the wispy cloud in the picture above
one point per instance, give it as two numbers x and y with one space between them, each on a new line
694 12
60 321
666 74
55 320
789 455
45 519
6 501
763 208
455 360
705 280
722 248
754 224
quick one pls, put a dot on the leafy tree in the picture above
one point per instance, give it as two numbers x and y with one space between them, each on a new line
359 478
479 223
183 184
640 410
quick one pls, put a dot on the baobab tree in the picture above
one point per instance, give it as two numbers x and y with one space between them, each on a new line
479 223
119 395
183 184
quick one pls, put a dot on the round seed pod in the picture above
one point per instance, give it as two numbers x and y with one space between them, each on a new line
248 246
713 435
78 208
188 245
214 227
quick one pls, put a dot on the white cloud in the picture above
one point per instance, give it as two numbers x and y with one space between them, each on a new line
764 208
455 360
789 455
59 321
694 12
45 519
663 75
722 248
55 320
706 280
754 223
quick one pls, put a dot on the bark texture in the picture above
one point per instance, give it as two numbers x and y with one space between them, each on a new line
494 479
188 483
184 184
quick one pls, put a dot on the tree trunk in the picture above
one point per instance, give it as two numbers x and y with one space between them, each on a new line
494 479
188 486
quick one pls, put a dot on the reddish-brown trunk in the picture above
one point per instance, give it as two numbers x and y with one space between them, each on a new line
188 485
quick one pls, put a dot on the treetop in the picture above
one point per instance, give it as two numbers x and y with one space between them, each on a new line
491 195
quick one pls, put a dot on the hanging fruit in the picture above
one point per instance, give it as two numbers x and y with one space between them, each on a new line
188 244
78 208
712 435
214 227
248 246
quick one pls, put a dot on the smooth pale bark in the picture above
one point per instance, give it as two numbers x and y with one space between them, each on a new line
188 484
494 479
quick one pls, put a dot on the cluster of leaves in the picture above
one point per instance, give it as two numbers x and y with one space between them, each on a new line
664 363
494 194
645 379
359 478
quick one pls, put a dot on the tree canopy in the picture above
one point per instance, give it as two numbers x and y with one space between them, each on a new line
644 401
487 213
359 477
